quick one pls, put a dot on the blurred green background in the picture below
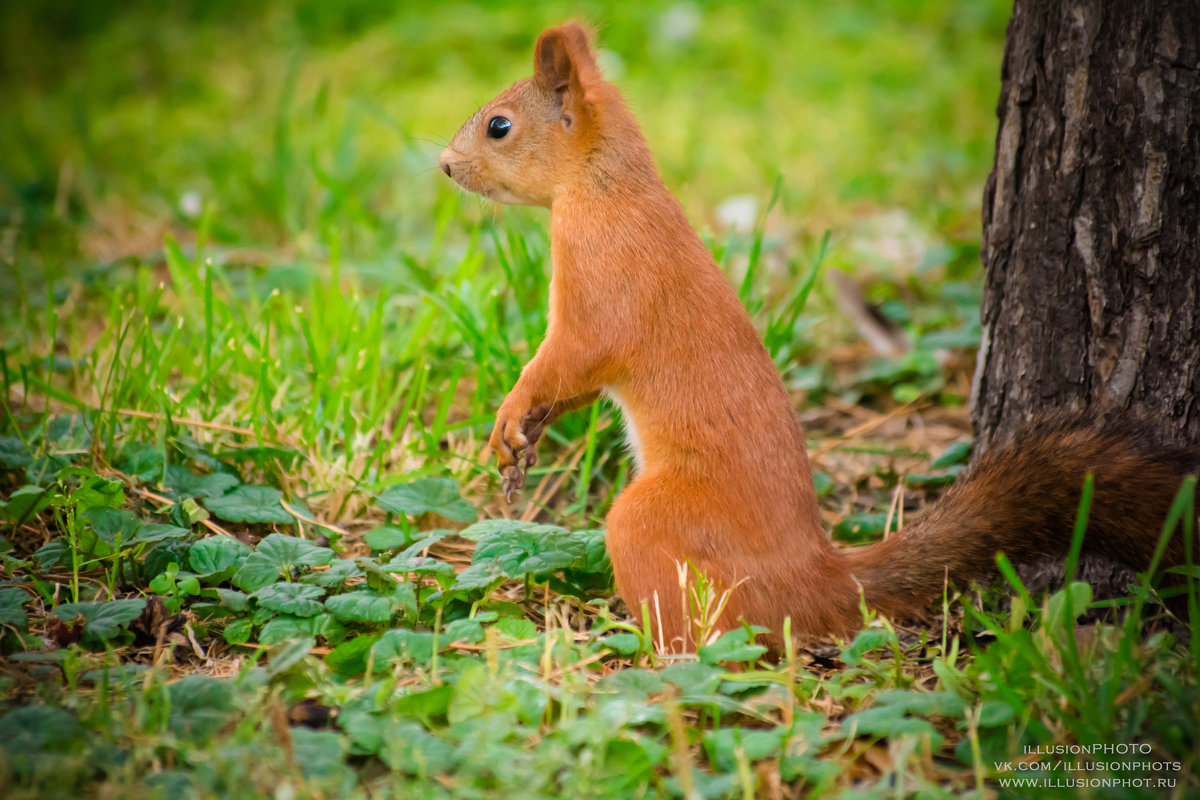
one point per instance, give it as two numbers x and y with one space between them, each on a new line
231 212
293 118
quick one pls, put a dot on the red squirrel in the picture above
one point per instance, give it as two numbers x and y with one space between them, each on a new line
639 311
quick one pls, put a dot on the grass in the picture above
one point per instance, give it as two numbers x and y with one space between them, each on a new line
252 343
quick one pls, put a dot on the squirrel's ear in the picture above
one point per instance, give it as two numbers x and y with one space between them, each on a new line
563 62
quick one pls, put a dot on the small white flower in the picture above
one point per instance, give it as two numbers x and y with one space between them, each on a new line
612 66
679 23
738 212
190 204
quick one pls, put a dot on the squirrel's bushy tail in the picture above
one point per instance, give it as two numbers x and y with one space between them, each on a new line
1022 499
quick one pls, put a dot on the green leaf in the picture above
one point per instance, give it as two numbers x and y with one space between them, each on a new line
933 480
428 495
250 504
385 538
734 645
53 467
404 645
866 641
163 554
477 695
281 629
350 657
444 573
632 682
1080 596
694 678
262 455
499 529
163 582
890 721
995 713
238 631
429 538
158 532
340 570
13 453
424 704
97 492
142 460
513 549
188 583
531 700
189 512
467 630
365 728
12 607
957 453
275 555
321 755
863 527
27 501
480 576
377 579
301 600
289 655
292 551
182 483
104 620
113 525
31 731
363 606
624 643
629 763
406 747
54 553
217 557
925 704
124 676
725 747
517 629
200 706
230 598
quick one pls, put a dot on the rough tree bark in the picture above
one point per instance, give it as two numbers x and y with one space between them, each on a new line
1091 216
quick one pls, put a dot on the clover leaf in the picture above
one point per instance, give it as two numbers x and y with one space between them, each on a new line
12 607
217 557
276 554
363 606
436 495
103 620
300 599
250 504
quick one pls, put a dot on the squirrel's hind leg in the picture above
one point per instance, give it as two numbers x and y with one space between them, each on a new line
665 552
695 571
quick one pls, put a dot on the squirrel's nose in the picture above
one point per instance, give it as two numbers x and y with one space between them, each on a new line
444 162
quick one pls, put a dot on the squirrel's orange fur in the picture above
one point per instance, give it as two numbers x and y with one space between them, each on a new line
639 311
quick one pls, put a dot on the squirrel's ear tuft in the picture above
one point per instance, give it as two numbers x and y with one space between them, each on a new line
563 59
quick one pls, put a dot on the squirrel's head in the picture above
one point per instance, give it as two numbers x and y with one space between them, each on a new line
542 132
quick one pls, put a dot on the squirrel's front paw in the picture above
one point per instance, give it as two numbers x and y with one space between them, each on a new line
514 453
533 424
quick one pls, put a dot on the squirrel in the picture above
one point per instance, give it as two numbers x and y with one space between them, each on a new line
639 311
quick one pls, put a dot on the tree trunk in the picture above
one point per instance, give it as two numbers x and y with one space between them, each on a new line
1091 217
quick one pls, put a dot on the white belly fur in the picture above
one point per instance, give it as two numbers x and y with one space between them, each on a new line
631 435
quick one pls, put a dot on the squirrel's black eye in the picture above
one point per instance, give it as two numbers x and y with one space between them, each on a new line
498 127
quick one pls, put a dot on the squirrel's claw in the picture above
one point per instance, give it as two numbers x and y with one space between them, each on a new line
515 452
514 479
